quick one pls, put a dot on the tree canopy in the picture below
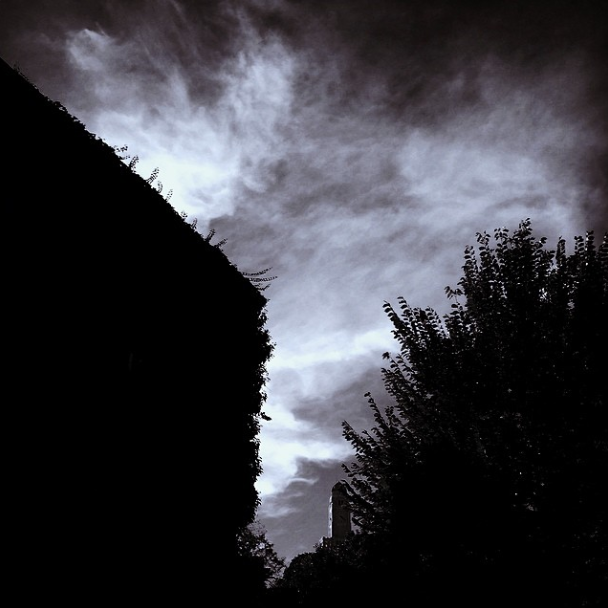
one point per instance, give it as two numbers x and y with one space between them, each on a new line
486 475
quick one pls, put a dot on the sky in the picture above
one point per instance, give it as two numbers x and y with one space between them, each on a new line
354 148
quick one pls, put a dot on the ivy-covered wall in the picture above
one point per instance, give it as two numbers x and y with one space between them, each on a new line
134 365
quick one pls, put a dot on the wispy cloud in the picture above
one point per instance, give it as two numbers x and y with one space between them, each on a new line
206 149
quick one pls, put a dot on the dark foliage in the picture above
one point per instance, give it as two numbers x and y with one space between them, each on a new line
483 484
134 360
485 480
327 573
259 567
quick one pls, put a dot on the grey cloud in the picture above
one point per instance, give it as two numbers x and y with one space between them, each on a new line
303 506
296 517
412 53
198 41
453 70
154 37
328 411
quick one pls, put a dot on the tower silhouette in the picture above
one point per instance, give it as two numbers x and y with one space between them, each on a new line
339 525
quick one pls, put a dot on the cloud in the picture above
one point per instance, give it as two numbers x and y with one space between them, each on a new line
364 208
307 411
297 517
139 93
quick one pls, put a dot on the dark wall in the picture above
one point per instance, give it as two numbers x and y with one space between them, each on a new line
133 353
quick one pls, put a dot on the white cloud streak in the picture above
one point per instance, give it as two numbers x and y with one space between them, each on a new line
205 153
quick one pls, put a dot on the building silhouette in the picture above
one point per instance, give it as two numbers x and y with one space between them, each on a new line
133 357
339 517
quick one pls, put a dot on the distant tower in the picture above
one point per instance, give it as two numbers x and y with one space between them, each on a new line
339 513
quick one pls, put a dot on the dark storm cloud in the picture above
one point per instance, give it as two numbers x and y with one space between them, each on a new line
428 61
328 409
437 66
198 38
391 65
408 53
153 36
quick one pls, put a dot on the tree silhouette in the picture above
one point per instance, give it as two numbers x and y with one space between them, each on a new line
329 572
258 565
484 480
